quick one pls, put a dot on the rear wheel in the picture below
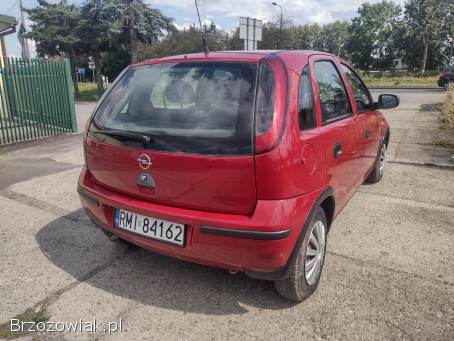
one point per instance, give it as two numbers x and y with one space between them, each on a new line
377 172
306 268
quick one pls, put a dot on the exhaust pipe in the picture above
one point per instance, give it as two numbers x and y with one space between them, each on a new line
233 272
114 237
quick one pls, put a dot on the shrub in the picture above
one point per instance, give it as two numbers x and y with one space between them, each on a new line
447 110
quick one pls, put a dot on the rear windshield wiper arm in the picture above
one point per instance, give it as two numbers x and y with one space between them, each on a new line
126 134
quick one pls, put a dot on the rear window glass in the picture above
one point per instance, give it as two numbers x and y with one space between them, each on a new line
201 108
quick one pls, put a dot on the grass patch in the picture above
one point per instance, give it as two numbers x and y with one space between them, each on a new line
410 81
88 92
35 314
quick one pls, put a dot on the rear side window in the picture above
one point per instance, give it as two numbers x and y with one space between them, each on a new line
200 108
306 113
334 102
362 97
265 100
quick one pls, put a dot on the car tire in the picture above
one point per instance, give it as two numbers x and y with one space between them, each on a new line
377 172
446 85
301 283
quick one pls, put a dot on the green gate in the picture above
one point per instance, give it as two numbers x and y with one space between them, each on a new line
36 99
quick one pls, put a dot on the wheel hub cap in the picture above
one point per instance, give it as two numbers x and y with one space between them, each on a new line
315 251
382 158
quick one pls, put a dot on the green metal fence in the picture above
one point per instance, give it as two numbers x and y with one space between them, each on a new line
36 99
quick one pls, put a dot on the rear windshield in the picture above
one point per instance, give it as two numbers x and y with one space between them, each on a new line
201 108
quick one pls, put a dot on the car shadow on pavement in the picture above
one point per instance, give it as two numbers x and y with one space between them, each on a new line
82 250
431 107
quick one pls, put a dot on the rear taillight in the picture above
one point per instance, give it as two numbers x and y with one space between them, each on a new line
271 104
85 150
265 100
87 126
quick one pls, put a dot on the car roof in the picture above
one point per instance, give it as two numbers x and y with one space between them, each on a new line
251 56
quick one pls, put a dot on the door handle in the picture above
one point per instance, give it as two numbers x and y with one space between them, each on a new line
337 151
366 133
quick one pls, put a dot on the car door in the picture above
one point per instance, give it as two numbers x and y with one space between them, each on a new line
311 143
364 107
340 129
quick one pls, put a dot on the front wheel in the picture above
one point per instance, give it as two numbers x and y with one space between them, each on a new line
377 172
306 268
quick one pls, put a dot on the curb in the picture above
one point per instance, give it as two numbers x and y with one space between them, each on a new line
423 164
406 87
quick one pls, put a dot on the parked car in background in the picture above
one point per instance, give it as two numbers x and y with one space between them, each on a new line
446 77
238 160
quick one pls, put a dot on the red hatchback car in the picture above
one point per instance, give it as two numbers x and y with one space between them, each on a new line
238 160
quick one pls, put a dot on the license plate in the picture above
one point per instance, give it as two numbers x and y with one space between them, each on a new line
163 230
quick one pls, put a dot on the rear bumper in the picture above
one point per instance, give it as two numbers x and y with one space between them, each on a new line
259 243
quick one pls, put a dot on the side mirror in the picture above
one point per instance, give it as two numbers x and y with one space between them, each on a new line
387 101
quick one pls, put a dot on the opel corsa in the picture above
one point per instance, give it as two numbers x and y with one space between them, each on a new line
238 160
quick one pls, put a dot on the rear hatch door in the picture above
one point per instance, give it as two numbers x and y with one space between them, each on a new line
179 134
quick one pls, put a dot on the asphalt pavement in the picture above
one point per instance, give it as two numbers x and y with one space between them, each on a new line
388 275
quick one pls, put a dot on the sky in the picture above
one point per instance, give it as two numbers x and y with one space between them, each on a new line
224 13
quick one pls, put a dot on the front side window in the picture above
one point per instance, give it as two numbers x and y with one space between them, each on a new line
306 113
201 108
333 97
362 97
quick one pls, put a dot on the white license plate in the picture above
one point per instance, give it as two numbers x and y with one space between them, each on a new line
153 228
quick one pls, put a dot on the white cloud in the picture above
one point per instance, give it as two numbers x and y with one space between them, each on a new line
185 26
299 11
182 27
351 5
209 21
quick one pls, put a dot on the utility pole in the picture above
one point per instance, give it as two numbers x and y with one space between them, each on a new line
23 41
280 26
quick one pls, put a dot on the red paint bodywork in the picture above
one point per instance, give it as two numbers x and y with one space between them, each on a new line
273 190
220 184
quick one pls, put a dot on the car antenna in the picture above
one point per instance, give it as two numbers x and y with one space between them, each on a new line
205 46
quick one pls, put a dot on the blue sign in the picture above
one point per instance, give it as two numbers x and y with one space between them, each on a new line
81 71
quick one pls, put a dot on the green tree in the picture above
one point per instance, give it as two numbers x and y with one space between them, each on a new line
329 38
333 37
270 35
99 26
233 41
426 27
188 41
306 37
55 31
370 35
142 24
115 60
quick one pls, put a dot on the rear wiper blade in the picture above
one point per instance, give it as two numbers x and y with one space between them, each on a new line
126 134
